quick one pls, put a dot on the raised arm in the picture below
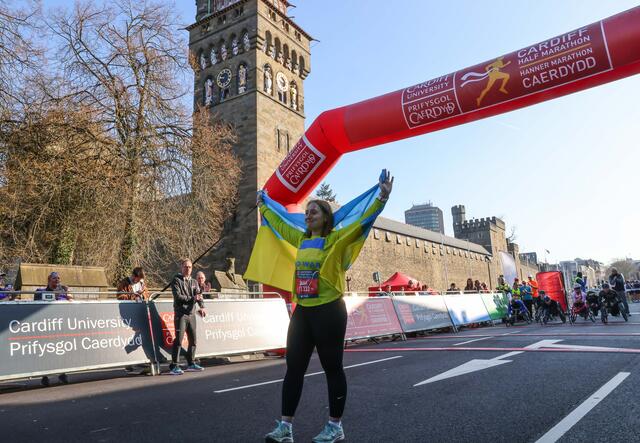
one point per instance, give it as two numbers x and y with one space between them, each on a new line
290 234
353 231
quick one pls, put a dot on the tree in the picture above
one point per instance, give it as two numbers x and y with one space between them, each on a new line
513 235
104 163
127 62
58 185
18 54
324 192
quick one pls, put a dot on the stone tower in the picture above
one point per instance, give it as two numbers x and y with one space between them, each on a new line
253 60
458 213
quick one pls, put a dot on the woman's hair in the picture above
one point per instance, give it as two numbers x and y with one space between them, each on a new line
328 213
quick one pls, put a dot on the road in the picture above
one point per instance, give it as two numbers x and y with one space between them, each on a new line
494 384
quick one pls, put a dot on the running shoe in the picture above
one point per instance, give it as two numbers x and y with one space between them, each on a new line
331 433
176 371
64 379
194 367
283 433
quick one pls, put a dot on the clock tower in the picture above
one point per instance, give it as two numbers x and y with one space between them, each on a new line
253 59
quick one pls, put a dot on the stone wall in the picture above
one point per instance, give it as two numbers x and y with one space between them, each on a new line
432 263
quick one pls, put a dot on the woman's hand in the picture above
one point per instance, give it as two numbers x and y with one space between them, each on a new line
386 184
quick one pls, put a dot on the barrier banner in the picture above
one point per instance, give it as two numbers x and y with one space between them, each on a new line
420 313
371 317
496 305
230 327
39 338
465 309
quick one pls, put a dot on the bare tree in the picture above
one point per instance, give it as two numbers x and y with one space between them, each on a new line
18 53
127 60
106 164
57 181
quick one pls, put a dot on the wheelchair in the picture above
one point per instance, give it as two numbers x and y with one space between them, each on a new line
581 309
614 307
517 312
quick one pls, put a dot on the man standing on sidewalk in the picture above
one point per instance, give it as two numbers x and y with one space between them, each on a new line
186 294
616 280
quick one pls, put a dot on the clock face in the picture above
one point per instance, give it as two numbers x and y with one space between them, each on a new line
282 82
224 78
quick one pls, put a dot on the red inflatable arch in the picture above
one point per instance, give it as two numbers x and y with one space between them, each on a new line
588 56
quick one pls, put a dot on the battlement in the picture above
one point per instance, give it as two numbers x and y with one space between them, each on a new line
476 224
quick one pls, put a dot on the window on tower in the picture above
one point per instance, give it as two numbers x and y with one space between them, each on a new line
302 65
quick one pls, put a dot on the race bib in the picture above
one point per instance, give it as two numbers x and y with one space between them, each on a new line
307 284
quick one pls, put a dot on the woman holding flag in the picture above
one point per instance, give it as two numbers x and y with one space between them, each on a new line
325 247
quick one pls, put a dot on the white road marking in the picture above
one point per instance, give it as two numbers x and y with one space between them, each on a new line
479 364
466 368
578 413
306 375
99 430
470 341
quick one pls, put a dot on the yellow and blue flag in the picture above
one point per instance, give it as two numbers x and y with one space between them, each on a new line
272 260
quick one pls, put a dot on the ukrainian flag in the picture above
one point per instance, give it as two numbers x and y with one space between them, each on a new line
272 260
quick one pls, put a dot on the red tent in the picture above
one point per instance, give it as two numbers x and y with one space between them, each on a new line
552 284
398 281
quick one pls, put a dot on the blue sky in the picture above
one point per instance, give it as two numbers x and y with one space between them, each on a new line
582 203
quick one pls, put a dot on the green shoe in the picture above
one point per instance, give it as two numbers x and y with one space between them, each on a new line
281 434
331 433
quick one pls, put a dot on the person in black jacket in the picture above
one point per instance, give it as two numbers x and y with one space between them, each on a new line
616 280
186 295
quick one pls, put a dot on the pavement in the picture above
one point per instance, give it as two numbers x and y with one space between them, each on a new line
566 383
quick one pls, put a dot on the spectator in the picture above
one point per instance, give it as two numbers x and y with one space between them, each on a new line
204 284
503 286
5 296
582 281
477 286
186 295
527 296
53 291
484 286
133 287
534 286
453 288
616 280
469 286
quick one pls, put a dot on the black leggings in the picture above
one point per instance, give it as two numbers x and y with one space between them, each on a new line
324 328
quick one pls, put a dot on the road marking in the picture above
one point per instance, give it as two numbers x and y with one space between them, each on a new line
578 413
99 430
479 364
554 349
466 368
306 375
470 341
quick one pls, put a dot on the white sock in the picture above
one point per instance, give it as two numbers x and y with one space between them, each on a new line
287 423
336 423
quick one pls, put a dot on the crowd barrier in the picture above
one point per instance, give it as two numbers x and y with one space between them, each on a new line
43 338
